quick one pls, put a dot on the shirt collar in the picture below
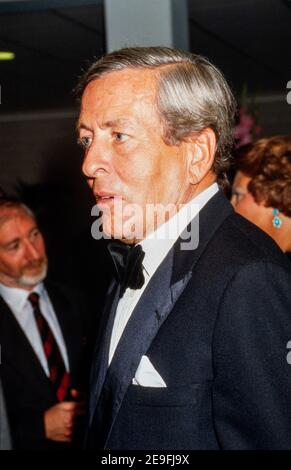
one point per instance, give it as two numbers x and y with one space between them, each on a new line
16 297
157 245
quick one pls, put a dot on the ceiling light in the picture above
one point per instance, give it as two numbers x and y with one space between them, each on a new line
6 55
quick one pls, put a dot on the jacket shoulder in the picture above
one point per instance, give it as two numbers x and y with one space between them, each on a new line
240 242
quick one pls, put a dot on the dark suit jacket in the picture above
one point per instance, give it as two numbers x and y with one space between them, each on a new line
214 322
27 389
5 441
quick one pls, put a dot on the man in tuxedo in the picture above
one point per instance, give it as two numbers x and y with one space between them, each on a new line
192 352
39 336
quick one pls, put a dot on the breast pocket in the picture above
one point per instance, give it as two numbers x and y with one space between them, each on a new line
158 418
164 397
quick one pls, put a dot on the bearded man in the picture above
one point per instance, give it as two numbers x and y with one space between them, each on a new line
39 336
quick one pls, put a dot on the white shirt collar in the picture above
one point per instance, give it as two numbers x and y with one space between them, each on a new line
158 244
16 297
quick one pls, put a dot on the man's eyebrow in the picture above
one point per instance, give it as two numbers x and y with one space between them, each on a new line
81 125
110 123
15 240
117 122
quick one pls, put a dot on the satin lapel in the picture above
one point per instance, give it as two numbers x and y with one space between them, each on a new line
17 350
208 221
156 303
150 312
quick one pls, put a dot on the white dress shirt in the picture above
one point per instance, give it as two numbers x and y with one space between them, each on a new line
156 246
17 300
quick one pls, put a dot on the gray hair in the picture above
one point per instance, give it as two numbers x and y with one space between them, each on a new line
11 203
192 94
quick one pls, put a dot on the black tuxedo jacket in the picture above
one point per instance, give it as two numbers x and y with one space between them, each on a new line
28 391
215 323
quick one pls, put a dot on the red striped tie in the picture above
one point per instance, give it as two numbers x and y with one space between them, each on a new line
58 374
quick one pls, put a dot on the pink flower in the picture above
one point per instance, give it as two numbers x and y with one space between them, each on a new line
244 129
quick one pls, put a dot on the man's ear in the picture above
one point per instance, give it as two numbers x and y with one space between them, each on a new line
200 149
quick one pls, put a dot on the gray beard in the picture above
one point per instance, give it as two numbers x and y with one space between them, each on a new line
30 281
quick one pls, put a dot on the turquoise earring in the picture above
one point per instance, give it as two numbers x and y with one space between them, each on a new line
277 222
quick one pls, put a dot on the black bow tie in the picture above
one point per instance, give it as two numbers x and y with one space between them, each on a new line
128 264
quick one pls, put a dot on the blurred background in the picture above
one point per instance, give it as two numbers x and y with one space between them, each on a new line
51 42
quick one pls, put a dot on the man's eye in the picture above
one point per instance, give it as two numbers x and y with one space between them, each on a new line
13 247
35 233
119 137
85 141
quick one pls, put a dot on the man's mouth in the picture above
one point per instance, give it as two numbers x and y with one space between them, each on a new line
106 198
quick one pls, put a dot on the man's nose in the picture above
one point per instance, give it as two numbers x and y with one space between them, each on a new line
32 252
96 161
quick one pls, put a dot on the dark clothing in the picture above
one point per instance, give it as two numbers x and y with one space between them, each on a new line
214 322
28 391
5 441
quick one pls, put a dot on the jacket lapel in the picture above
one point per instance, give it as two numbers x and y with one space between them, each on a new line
150 312
101 353
156 303
62 309
17 350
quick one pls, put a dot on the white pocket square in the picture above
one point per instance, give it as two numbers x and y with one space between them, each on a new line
146 375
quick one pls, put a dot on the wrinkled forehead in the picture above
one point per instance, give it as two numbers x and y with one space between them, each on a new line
139 81
124 87
13 213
